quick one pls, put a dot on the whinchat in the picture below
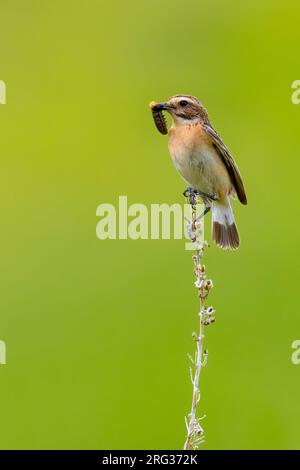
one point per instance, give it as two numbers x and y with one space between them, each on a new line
204 162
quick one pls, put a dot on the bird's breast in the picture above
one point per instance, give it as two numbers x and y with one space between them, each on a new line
197 160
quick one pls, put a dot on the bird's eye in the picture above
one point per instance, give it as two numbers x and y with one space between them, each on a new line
183 103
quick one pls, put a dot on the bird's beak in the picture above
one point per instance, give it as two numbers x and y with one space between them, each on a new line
160 107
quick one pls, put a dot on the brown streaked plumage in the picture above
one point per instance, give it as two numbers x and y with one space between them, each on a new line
205 163
229 162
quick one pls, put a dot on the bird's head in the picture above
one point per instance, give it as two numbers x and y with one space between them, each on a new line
184 109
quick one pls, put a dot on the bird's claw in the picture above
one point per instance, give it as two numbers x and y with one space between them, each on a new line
191 194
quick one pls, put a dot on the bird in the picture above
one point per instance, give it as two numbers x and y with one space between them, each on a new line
204 162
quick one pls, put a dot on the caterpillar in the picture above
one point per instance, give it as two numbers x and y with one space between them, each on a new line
159 119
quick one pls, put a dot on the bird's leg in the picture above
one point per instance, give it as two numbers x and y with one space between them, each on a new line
191 194
207 199
206 210
211 197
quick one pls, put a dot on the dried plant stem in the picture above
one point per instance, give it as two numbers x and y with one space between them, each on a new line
195 432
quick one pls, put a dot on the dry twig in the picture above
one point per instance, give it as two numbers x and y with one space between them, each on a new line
195 432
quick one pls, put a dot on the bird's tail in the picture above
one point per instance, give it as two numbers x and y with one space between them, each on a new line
224 230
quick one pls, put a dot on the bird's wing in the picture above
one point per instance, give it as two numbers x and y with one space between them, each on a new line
229 162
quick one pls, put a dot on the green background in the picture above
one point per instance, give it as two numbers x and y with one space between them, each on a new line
97 332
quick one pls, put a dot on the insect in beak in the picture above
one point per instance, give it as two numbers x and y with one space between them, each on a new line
159 119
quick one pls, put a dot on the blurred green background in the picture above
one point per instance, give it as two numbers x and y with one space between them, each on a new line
97 332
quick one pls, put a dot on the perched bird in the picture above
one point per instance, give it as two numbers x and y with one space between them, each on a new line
204 162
